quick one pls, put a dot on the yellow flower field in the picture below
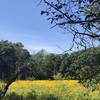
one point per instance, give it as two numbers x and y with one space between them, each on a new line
51 86
59 88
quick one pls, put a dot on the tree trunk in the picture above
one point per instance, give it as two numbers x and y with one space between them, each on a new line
6 86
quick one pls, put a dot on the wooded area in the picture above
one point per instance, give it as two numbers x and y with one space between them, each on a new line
80 65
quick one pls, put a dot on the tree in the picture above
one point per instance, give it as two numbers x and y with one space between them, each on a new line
88 64
65 65
81 18
45 65
52 64
13 60
38 67
83 65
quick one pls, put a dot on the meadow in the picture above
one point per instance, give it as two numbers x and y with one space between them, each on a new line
50 90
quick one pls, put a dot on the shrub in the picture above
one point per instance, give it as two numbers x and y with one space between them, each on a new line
58 76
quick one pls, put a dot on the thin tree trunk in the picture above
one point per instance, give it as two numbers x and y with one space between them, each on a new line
6 86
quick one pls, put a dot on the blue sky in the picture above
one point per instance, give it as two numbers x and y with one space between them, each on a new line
20 21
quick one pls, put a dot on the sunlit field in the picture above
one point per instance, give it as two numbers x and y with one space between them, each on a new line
51 90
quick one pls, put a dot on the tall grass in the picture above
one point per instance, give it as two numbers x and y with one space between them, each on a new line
50 90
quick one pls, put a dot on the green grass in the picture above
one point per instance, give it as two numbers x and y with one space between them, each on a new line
50 90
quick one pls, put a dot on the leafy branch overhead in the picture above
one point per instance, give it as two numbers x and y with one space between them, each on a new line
81 18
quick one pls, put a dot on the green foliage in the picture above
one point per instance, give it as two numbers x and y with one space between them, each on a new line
13 57
80 18
45 65
83 65
13 96
30 96
80 65
37 60
58 76
92 84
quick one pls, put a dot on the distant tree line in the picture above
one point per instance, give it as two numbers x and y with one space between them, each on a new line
13 57
80 65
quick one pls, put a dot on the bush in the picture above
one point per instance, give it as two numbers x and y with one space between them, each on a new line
49 97
90 84
13 96
30 96
58 76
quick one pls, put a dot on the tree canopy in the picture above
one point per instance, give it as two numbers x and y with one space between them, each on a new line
81 65
81 18
13 57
